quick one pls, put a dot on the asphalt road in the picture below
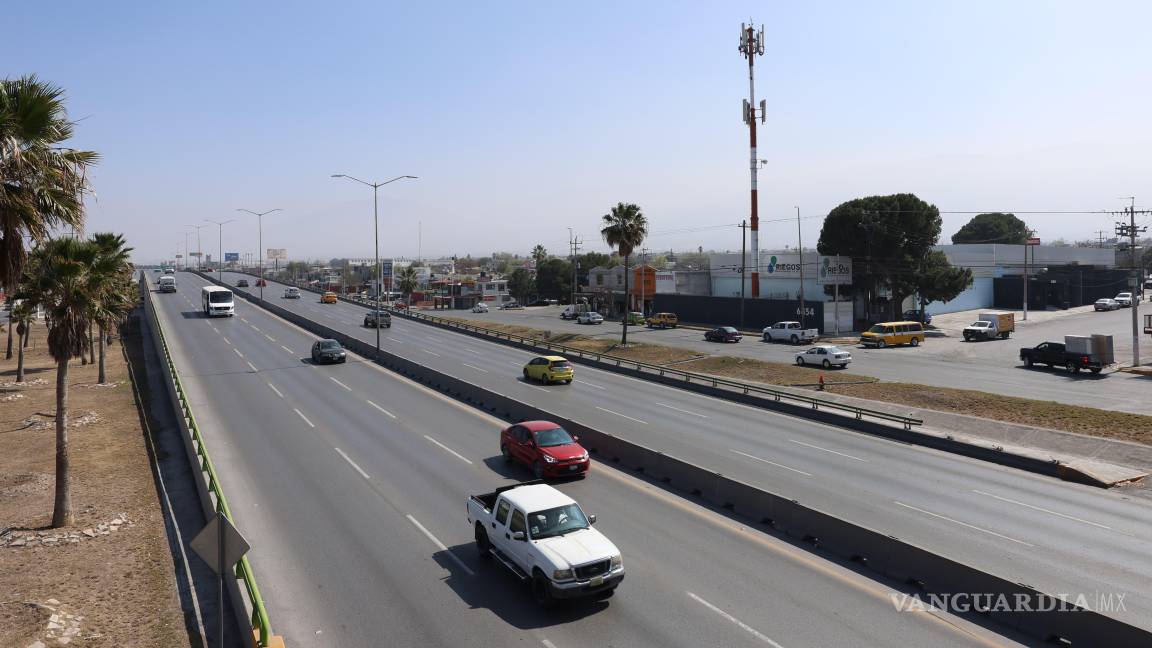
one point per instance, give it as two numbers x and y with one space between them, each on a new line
992 366
1057 536
350 483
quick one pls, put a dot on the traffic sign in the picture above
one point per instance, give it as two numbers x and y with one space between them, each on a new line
1033 240
207 544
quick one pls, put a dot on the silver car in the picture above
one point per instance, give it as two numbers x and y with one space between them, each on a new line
824 355
1106 304
590 317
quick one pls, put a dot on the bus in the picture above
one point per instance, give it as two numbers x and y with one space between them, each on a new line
217 301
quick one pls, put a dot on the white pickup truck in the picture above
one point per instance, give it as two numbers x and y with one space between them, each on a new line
542 536
789 332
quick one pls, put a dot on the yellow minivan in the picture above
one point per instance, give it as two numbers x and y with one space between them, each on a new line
887 334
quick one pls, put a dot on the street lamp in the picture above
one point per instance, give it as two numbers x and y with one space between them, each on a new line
220 259
260 250
376 220
199 250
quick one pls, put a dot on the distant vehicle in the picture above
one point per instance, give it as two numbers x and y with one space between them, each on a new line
1106 304
167 284
169 271
207 269
572 311
789 332
886 334
991 325
328 298
723 334
260 283
1055 354
913 315
663 320
1125 299
511 305
634 318
824 355
243 283
545 447
480 308
590 317
291 293
155 269
377 319
217 301
549 369
328 351
543 537
544 302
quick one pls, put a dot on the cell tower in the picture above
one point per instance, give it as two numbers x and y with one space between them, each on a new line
751 46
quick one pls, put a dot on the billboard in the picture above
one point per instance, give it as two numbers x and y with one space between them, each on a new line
280 254
834 270
231 256
386 268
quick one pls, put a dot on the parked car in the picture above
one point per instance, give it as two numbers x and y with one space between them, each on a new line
549 369
243 283
545 447
326 351
723 334
789 332
634 319
914 316
1125 299
1055 354
825 355
543 537
377 319
480 308
291 293
663 320
1106 304
886 334
590 317
328 298
511 305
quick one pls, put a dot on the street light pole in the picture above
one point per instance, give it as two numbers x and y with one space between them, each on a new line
220 260
260 250
199 250
376 224
800 243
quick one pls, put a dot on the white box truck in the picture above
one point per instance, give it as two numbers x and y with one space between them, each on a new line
990 325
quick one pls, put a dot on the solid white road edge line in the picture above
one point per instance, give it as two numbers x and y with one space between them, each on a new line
380 408
772 463
301 415
963 524
453 452
352 463
620 415
440 545
1012 501
739 624
816 447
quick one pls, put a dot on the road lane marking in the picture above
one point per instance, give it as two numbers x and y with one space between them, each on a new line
270 338
253 367
440 545
525 383
684 411
301 415
1012 501
584 382
739 624
286 348
457 454
339 383
238 352
353 463
431 352
963 524
772 463
214 328
273 387
226 338
547 644
471 350
255 328
243 320
381 409
816 447
394 339
620 415
474 367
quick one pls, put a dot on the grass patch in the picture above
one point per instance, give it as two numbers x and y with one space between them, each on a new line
772 373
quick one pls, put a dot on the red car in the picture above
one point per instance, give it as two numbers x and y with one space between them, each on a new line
723 334
260 283
545 447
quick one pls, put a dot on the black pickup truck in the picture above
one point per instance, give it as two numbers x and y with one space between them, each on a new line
1054 354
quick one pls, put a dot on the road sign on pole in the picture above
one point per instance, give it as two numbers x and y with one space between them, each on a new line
221 546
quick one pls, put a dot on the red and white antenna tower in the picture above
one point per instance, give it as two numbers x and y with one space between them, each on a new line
751 46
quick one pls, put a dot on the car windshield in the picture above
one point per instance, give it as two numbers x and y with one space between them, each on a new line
556 521
876 328
981 324
556 436
220 297
329 345
728 329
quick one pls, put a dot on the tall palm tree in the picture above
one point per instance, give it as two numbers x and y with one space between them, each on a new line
624 229
407 281
113 276
64 282
42 184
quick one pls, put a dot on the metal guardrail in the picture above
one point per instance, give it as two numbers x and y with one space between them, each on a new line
643 367
243 570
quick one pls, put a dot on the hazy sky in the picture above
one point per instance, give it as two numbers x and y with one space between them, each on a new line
525 119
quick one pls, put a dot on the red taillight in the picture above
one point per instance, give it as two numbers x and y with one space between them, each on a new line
1085 359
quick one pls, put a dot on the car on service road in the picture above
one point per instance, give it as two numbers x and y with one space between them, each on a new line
243 283
1106 304
549 369
328 351
824 355
511 305
913 315
545 447
590 317
723 334
291 293
377 319
329 298
1125 299
480 308
634 318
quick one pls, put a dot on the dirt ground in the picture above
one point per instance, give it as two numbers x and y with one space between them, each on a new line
105 583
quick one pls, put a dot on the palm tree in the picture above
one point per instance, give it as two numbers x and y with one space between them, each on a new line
407 281
539 255
41 183
624 229
113 275
65 282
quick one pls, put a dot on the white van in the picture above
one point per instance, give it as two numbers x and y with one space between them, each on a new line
217 301
167 284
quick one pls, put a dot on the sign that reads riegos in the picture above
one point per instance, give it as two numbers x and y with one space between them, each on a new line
834 270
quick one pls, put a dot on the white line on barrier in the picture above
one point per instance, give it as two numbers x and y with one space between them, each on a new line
474 367
381 409
772 463
339 383
273 387
301 414
683 411
457 454
1012 501
253 367
964 524
270 338
440 545
349 460
238 352
226 339
621 415
739 624
816 447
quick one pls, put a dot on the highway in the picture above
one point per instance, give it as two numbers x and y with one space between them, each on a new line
350 483
1062 538
992 366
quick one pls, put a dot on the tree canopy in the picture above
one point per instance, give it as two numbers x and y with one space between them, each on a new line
995 227
939 280
521 285
554 279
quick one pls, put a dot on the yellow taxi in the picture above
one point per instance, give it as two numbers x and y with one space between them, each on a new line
328 298
549 369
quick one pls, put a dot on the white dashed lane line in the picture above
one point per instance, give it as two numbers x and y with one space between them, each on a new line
339 383
474 367
352 463
238 352
772 463
273 388
440 545
816 447
301 415
963 524
449 450
621 415
380 408
682 411
737 622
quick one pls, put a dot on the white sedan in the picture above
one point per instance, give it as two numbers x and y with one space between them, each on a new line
591 317
480 308
825 356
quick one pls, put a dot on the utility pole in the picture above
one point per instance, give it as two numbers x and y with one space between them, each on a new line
1030 233
1130 230
743 265
574 244
199 250
1100 235
800 245
751 46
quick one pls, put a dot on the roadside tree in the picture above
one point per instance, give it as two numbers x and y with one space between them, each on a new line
624 229
994 227
521 285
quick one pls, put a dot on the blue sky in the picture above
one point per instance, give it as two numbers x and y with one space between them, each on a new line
523 119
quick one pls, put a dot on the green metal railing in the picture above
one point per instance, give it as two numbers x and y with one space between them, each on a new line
243 569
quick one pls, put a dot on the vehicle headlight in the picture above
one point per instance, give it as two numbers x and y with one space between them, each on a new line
584 457
617 562
549 458
562 575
